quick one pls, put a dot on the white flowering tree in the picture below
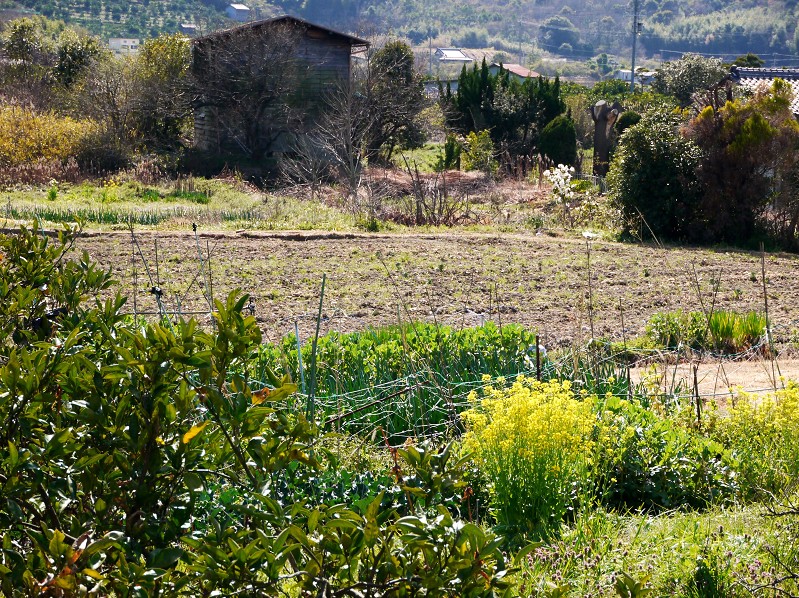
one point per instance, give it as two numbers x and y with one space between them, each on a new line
561 180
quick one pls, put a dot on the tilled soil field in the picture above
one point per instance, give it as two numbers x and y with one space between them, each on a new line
458 278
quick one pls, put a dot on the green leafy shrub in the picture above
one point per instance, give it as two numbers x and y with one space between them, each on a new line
651 462
670 329
478 153
534 442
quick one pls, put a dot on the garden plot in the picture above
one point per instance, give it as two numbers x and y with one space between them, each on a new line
460 279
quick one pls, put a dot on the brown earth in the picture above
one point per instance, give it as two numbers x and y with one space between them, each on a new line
455 278
720 379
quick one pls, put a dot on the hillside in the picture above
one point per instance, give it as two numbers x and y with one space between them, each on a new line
522 30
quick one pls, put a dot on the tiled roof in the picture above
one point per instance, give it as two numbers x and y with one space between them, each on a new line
519 70
753 78
354 41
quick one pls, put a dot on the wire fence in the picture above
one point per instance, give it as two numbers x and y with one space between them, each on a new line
424 403
402 411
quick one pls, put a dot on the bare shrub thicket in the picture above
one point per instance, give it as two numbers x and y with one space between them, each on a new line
246 85
41 172
431 201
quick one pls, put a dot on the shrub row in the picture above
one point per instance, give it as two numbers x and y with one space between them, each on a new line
27 136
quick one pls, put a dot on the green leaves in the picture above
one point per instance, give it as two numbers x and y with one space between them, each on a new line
139 461
628 587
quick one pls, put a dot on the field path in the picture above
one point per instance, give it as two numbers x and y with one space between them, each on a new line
716 380
455 278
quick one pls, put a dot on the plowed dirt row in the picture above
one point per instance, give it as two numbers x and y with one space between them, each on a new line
459 279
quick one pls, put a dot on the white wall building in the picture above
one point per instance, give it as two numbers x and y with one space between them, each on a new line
641 77
123 46
238 12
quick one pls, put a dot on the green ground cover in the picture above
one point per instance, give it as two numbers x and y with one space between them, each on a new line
115 203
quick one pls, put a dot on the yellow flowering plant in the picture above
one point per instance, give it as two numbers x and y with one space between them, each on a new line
763 434
533 441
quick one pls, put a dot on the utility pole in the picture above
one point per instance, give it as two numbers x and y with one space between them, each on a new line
430 49
636 29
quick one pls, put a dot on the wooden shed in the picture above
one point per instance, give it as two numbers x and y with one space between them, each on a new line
261 82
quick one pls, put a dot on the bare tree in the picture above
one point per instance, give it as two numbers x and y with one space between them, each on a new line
105 95
342 132
306 162
248 86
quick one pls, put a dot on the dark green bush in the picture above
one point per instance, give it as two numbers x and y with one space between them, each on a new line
452 154
558 140
653 179
627 119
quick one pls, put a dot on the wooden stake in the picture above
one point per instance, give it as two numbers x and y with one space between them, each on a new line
698 400
590 290
537 359
775 367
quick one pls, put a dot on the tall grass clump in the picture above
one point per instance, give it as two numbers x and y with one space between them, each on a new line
732 332
533 441
723 332
763 434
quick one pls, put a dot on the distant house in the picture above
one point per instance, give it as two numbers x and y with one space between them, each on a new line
189 29
641 77
432 90
451 55
262 79
517 71
753 78
238 12
123 46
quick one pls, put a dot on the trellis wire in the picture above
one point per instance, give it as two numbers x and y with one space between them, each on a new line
391 406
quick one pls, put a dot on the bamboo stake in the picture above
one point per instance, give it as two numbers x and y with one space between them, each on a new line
775 367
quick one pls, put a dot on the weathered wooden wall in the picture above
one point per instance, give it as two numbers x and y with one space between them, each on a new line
323 60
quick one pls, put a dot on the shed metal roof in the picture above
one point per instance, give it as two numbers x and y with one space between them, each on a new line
354 41
753 78
452 55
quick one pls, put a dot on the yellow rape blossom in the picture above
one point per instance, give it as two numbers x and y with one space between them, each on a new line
533 441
